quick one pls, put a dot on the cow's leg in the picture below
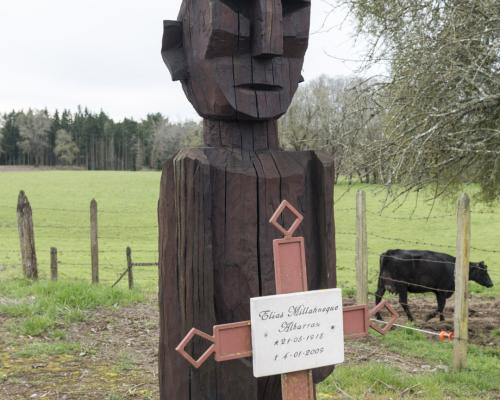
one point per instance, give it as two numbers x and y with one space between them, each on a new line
441 299
378 296
403 300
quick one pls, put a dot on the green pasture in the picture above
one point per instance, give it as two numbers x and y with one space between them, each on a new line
376 379
127 217
43 307
61 200
413 222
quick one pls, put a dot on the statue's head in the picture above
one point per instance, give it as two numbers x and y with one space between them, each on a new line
238 59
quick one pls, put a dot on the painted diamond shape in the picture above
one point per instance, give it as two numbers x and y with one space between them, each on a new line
285 205
182 345
388 325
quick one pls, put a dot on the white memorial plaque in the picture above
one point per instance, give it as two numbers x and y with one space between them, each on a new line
297 331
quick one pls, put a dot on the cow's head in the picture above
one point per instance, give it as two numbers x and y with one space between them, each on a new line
478 272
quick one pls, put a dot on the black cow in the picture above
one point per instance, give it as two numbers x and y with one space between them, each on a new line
419 271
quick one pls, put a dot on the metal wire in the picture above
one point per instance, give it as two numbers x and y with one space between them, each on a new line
409 218
430 244
442 335
417 285
406 327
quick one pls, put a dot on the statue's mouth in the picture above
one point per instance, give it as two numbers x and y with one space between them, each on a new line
260 86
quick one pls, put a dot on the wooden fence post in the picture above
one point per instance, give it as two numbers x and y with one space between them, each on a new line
361 249
53 264
94 245
26 237
129 268
461 317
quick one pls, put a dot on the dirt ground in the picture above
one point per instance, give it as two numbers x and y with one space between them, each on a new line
116 359
484 317
117 355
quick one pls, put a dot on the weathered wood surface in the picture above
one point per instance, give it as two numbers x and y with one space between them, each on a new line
297 382
244 135
26 237
130 270
238 60
240 64
216 253
361 249
94 242
53 264
461 315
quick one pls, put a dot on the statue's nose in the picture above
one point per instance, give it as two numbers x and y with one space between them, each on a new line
268 28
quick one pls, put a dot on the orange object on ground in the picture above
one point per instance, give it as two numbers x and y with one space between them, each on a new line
443 335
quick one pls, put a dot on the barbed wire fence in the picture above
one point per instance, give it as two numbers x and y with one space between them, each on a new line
71 241
47 230
115 258
374 267
369 272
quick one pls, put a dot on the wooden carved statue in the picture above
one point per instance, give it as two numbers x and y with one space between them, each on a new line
239 62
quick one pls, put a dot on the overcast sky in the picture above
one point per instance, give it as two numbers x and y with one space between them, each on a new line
105 54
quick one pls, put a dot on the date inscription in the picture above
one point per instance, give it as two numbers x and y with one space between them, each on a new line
297 331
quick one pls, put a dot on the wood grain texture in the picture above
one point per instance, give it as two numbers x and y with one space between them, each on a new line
238 60
298 382
361 249
216 253
94 242
130 268
242 135
240 64
461 315
26 237
268 32
53 264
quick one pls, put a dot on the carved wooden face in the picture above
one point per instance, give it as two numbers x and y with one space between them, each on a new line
238 59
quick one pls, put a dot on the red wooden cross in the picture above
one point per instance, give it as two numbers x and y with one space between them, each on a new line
234 341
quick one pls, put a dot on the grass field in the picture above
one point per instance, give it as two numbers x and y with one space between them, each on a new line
60 202
426 376
73 326
127 216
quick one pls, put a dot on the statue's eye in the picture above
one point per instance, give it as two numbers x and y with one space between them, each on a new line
291 6
245 6
296 17
239 6
229 31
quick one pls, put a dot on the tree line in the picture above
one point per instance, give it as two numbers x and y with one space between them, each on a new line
90 140
431 121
